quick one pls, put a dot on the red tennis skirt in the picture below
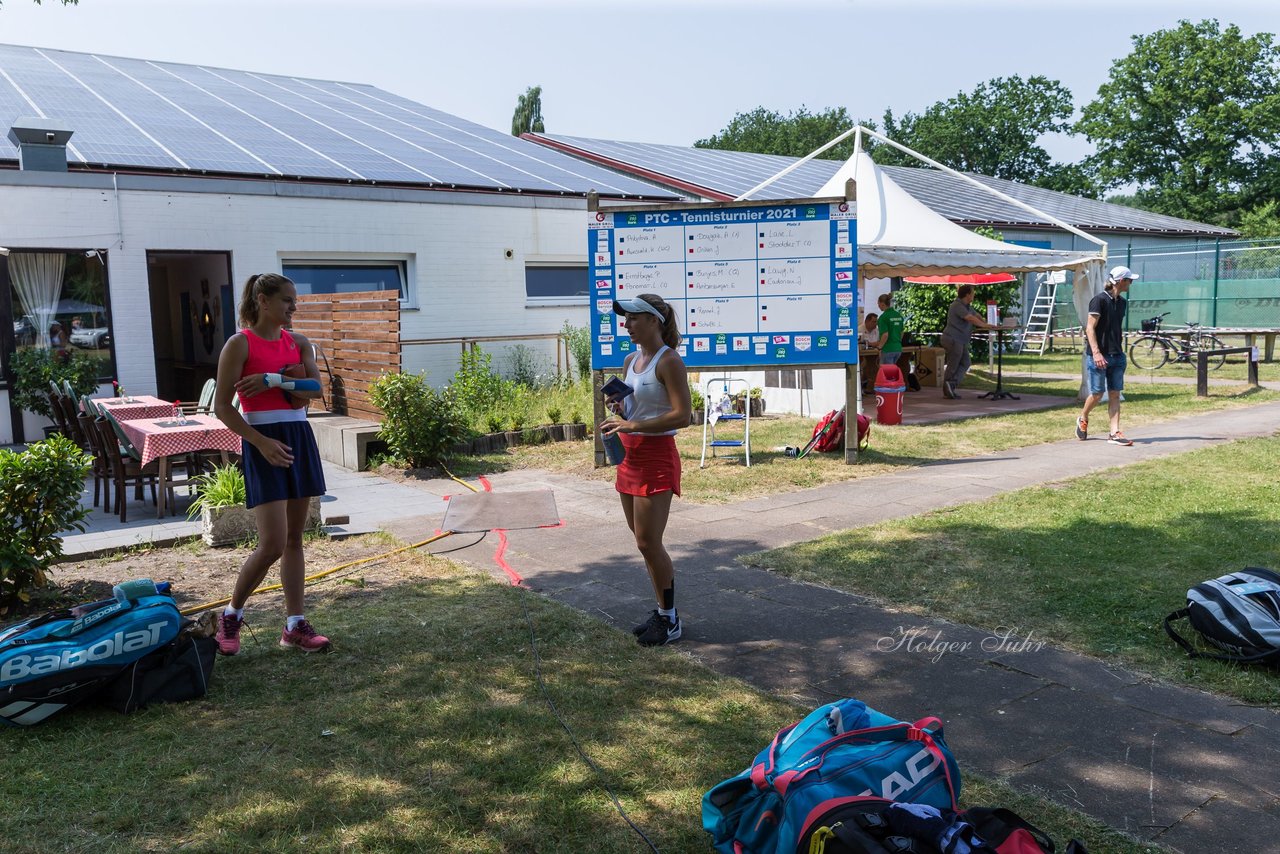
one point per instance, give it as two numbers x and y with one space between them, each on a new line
651 466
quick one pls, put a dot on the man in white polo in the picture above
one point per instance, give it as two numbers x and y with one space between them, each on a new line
1104 359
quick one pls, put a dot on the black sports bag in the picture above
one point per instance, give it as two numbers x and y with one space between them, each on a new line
1237 613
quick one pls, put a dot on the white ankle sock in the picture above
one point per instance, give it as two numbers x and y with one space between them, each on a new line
669 613
239 612
293 622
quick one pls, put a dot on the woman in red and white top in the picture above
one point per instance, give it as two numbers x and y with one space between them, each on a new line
282 469
649 474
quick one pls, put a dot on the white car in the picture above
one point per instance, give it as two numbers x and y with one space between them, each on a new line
97 338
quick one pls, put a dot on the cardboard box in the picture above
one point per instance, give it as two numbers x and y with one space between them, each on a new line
930 364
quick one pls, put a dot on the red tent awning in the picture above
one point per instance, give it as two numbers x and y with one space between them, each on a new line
963 279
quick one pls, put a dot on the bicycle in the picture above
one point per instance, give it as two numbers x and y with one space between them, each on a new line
1156 348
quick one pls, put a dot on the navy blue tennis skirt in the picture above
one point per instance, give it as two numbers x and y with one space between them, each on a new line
265 483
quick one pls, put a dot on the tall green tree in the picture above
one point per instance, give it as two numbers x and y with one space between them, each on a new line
994 130
793 134
1191 116
528 115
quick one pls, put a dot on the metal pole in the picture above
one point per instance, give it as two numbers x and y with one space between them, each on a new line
1217 255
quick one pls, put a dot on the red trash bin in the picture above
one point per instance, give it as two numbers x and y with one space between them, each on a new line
890 390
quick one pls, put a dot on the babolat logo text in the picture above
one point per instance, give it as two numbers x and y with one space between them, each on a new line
21 666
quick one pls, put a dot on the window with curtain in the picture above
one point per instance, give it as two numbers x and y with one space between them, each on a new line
346 277
59 301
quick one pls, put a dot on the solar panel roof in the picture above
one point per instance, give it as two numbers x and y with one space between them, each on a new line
139 114
729 174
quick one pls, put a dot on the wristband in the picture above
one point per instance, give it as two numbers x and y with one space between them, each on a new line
272 380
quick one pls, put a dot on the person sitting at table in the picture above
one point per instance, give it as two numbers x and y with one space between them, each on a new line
869 334
868 342
282 469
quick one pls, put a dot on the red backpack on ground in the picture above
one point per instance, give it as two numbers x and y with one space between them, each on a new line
828 434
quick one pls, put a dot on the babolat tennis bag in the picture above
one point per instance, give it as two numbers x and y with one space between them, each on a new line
1237 613
52 662
869 825
841 749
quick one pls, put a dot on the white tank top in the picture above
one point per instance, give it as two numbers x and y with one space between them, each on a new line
650 397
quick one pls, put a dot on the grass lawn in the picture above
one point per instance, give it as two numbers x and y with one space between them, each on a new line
892 448
1093 564
425 730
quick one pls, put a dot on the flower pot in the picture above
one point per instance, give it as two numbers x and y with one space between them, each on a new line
227 526
697 416
757 407
576 432
51 430
513 438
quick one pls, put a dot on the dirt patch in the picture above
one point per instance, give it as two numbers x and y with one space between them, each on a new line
200 574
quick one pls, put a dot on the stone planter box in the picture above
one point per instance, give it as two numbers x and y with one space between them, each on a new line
575 432
227 526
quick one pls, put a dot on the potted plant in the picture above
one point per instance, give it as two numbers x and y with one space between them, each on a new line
35 367
577 427
698 413
220 504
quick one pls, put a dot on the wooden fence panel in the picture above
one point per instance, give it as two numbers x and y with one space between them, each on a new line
359 339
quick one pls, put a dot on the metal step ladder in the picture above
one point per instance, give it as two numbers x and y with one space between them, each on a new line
713 415
1036 334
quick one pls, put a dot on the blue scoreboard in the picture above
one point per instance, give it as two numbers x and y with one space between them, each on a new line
753 285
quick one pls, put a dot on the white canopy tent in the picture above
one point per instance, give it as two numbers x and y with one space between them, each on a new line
897 235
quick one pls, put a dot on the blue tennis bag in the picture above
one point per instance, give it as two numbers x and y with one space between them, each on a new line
839 750
50 663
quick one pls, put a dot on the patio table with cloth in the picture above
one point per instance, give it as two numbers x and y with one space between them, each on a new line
164 438
130 408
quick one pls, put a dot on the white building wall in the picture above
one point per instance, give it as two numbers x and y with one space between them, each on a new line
461 281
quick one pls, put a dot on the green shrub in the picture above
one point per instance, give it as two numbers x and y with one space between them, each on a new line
578 340
553 414
222 487
528 368
34 367
419 423
695 396
494 422
39 499
475 388
575 416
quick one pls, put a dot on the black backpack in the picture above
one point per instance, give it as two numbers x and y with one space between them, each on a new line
1238 613
870 825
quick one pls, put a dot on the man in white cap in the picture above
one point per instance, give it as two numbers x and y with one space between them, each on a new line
1104 359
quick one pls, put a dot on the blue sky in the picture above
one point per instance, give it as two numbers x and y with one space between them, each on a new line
656 71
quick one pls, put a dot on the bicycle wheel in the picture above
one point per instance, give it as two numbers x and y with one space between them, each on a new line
1209 342
1149 353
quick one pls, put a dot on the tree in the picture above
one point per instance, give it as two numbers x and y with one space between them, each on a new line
993 130
1191 116
528 115
793 135
1262 221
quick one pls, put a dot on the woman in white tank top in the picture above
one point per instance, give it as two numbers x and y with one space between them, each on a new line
649 475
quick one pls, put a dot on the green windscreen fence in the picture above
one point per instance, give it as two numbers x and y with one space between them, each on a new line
1228 284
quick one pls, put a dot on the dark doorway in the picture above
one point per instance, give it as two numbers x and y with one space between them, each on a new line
192 313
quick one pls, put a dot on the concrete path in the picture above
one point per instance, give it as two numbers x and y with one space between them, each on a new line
1188 770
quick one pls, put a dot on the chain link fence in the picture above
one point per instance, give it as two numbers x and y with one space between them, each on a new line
1231 284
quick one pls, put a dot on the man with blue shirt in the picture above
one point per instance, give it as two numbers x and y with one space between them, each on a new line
1104 359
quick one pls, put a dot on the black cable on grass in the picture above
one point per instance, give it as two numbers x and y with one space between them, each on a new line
460 548
604 783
